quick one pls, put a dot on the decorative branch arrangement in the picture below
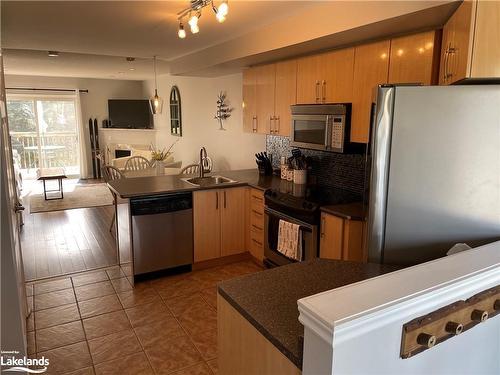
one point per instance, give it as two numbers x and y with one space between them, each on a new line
223 110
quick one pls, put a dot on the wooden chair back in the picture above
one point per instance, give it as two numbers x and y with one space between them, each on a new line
190 169
111 173
137 163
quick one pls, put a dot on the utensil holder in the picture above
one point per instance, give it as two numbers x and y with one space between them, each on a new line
300 176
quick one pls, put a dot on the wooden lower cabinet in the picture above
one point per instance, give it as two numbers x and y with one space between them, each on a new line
233 221
206 225
256 224
243 350
219 223
341 238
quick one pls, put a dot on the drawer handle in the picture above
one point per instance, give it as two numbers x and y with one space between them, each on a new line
257 227
256 212
257 198
257 242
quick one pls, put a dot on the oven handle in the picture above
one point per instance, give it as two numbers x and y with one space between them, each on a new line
270 211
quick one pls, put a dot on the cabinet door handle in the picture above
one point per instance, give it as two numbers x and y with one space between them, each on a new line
317 91
216 200
257 242
445 66
324 90
322 231
257 213
271 127
254 121
224 199
277 130
256 227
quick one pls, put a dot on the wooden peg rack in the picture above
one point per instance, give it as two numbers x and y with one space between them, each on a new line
424 332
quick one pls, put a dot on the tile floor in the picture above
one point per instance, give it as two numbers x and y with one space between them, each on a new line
95 323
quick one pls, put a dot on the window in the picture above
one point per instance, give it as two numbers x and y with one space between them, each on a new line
44 133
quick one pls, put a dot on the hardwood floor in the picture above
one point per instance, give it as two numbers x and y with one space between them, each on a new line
61 242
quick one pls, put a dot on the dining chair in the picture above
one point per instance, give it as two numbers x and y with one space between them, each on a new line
190 169
136 163
110 173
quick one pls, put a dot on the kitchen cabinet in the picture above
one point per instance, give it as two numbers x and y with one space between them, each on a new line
412 59
219 228
250 100
266 76
471 43
256 224
371 68
341 238
285 96
232 223
326 78
268 92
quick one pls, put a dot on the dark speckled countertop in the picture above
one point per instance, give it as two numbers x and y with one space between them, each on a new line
157 185
268 299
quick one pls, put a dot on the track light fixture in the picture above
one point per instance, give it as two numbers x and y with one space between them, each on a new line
193 14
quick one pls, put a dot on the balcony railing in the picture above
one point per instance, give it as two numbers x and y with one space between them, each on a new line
46 150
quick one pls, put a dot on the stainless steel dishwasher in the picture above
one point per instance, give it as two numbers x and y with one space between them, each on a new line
162 232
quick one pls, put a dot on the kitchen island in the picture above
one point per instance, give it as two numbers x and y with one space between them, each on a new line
264 307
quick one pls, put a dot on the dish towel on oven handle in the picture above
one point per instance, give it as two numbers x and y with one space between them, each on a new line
290 240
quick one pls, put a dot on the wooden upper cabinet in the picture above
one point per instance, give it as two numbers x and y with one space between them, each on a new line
233 220
250 100
206 224
326 78
371 68
411 59
471 43
265 97
486 52
309 76
285 96
338 72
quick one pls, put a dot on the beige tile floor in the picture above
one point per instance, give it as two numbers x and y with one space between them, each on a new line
96 323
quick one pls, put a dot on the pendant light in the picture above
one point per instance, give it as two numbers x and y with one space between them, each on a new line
156 102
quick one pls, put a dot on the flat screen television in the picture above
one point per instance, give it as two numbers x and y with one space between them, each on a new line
129 114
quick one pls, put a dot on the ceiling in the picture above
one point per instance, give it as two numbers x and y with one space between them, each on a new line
94 37
88 31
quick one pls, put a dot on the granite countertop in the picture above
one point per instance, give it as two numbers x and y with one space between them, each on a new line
268 299
156 185
350 211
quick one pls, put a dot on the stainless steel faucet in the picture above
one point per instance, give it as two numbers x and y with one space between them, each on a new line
203 156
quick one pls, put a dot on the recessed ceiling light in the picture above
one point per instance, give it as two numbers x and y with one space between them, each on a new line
131 69
53 53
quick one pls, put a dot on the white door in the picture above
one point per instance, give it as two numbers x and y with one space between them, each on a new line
13 295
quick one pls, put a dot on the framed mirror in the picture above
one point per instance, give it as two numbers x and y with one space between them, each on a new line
175 112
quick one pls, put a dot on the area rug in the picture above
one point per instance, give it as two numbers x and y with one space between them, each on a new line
75 196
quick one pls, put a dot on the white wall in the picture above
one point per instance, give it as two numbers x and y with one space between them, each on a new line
94 103
230 149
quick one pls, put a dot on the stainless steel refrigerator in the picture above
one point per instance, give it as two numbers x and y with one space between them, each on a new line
435 171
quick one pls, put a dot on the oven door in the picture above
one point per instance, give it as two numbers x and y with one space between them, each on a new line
311 131
271 229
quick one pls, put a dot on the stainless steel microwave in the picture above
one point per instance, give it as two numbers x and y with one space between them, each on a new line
324 127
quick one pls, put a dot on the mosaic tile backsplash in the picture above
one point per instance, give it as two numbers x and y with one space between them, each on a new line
342 171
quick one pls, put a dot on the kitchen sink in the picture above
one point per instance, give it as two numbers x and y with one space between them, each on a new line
208 181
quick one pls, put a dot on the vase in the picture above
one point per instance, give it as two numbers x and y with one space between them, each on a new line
160 167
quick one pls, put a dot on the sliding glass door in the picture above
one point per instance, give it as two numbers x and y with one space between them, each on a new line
44 133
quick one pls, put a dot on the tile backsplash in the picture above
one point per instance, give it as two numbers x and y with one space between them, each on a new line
342 171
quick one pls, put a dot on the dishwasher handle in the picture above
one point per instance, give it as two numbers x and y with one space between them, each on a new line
161 204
